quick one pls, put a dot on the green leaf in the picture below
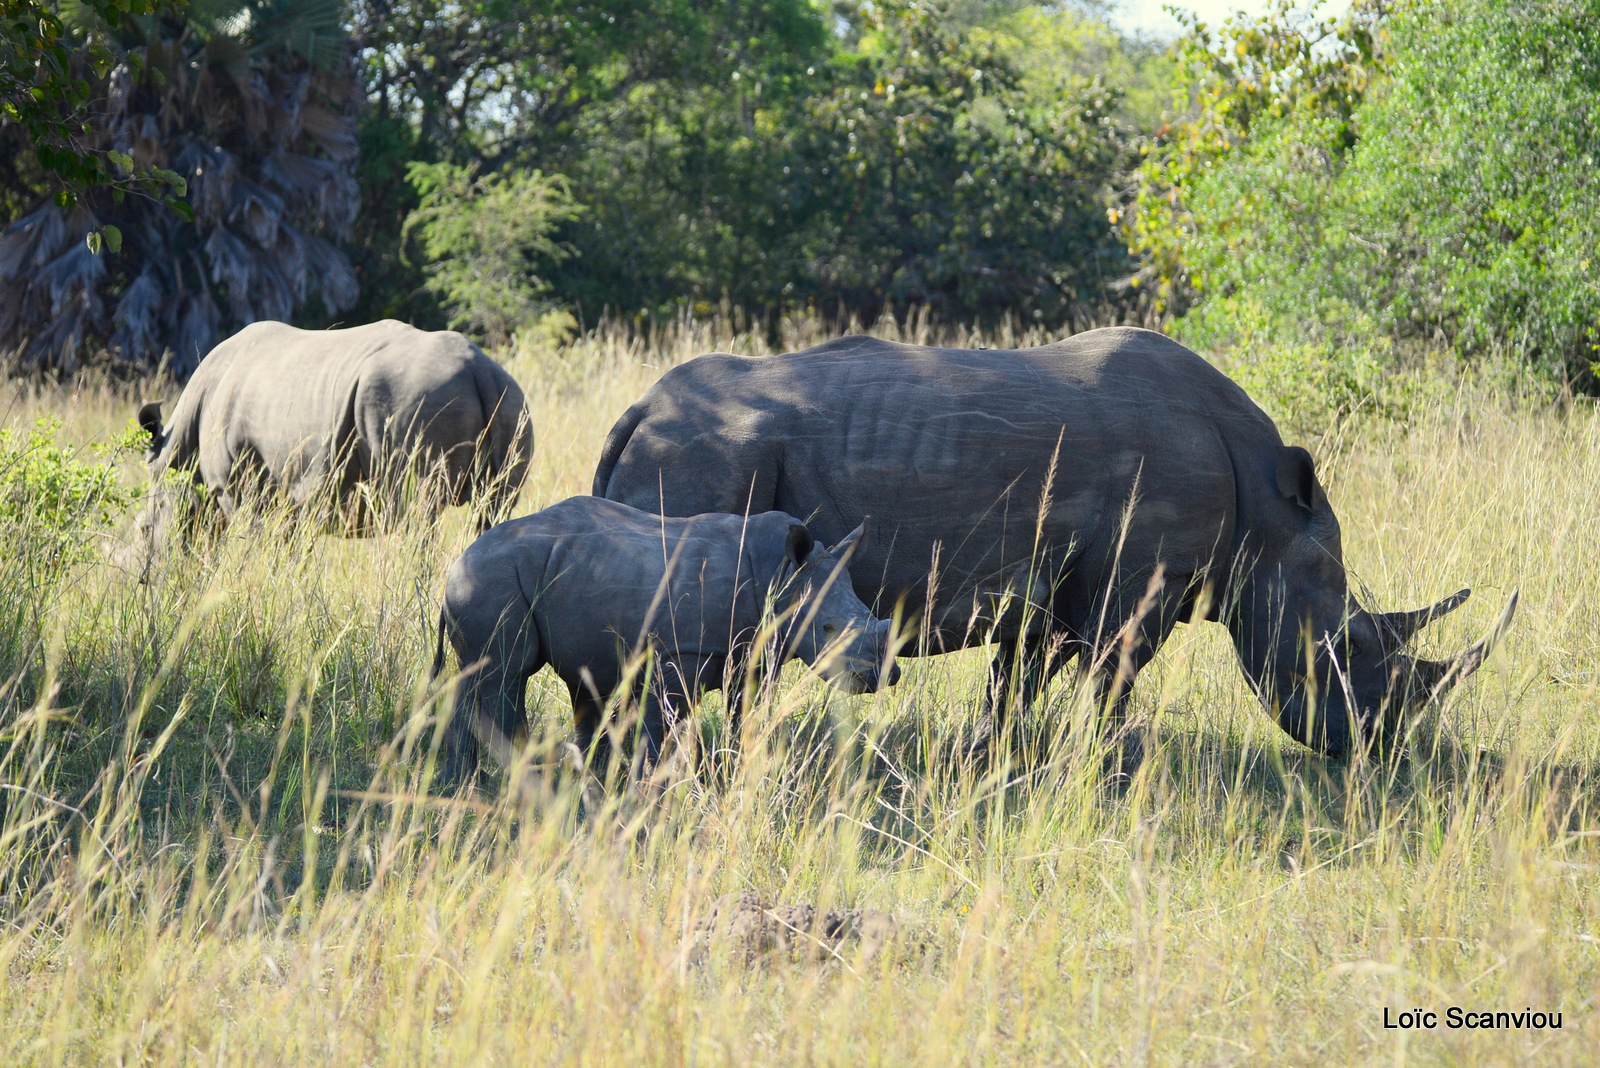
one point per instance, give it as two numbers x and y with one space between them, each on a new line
121 159
93 240
172 178
113 238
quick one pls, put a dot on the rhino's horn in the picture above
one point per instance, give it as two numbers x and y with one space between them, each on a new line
1437 677
1398 627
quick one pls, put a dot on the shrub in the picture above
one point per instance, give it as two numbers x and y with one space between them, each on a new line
483 236
54 500
1421 180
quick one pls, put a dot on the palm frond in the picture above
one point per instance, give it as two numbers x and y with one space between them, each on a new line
335 134
254 108
137 319
196 329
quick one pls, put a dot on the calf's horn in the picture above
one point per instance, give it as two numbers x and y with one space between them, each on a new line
1439 676
848 542
1400 626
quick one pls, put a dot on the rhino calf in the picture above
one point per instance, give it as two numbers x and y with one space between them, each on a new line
586 583
342 421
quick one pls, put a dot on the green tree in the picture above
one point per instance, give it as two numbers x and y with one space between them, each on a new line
1278 71
1425 178
933 178
907 159
771 154
45 87
683 179
484 237
565 86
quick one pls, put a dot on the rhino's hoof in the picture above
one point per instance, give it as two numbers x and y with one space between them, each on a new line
1124 758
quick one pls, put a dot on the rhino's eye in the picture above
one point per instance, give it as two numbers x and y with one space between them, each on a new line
829 630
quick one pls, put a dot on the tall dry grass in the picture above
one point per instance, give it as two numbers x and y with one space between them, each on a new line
213 848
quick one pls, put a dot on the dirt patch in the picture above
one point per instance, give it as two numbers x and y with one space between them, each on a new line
742 926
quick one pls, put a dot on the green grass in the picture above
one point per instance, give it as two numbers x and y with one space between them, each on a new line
213 849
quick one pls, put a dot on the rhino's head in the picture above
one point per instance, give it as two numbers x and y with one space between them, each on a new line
824 623
1336 676
155 516
151 525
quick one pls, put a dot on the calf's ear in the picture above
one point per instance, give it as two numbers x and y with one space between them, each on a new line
1297 477
150 421
798 545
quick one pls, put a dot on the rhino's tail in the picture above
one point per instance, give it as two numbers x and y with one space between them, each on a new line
438 650
616 441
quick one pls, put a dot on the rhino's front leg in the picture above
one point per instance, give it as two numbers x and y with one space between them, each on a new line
675 686
588 721
496 663
739 690
1118 659
1020 671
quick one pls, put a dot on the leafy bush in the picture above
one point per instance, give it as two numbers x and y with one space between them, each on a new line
483 236
52 498
1419 180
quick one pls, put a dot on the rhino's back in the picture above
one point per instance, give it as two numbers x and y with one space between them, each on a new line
948 450
292 396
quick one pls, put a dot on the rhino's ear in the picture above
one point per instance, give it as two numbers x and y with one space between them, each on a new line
798 545
150 422
1297 477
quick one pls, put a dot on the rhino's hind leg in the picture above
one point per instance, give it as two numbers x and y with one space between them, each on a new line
1021 670
494 490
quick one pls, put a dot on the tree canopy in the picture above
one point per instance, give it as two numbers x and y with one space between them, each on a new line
1416 176
1420 176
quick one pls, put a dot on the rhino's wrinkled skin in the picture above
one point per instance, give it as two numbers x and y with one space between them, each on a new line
1159 461
319 414
586 584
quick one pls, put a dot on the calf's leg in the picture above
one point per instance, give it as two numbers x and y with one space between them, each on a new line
674 686
490 697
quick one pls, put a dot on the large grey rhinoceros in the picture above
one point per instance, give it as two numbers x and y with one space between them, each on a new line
587 583
1030 496
320 414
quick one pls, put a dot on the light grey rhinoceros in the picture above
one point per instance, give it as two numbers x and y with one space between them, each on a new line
586 583
1144 457
321 413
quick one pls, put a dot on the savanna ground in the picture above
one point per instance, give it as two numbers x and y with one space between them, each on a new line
214 849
